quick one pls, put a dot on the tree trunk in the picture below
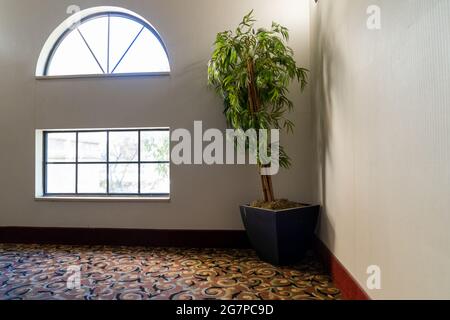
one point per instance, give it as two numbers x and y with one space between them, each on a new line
253 101
267 188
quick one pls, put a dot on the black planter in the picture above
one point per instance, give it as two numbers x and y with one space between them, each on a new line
281 237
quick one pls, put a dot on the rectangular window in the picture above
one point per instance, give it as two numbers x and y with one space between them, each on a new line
106 163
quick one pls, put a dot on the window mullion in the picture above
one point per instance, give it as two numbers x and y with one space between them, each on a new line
123 56
107 162
44 177
139 162
92 52
76 162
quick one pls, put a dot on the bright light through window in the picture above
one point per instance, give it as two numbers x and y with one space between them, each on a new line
108 43
107 163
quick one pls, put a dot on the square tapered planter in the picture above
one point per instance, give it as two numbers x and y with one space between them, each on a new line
281 237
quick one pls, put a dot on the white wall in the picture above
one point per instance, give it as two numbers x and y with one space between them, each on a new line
202 197
382 100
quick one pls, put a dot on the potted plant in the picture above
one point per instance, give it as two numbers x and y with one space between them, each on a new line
251 70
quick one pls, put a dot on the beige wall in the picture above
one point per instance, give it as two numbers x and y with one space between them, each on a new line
382 101
202 197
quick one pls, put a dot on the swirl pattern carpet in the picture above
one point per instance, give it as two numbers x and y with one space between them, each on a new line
35 272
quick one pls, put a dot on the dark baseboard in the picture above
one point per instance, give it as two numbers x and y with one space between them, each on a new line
125 237
349 287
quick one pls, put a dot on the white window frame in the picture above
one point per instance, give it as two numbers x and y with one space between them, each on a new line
40 163
64 28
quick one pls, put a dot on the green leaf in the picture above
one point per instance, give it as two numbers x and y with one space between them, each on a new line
275 69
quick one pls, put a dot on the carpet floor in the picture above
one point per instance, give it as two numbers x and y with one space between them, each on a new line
35 272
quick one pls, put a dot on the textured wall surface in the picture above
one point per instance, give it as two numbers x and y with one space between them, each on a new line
382 100
203 197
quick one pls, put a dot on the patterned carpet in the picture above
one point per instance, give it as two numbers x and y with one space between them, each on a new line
33 272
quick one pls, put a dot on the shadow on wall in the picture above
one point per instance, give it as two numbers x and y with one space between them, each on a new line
324 57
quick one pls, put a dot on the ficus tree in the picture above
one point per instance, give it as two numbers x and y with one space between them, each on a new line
252 69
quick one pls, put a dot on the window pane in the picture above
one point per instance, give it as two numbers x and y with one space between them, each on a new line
123 178
146 55
123 32
105 44
95 32
92 146
73 57
155 178
155 146
61 147
61 178
123 146
92 178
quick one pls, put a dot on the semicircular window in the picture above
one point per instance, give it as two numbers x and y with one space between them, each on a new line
107 43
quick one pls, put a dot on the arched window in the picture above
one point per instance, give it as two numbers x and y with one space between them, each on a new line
103 41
